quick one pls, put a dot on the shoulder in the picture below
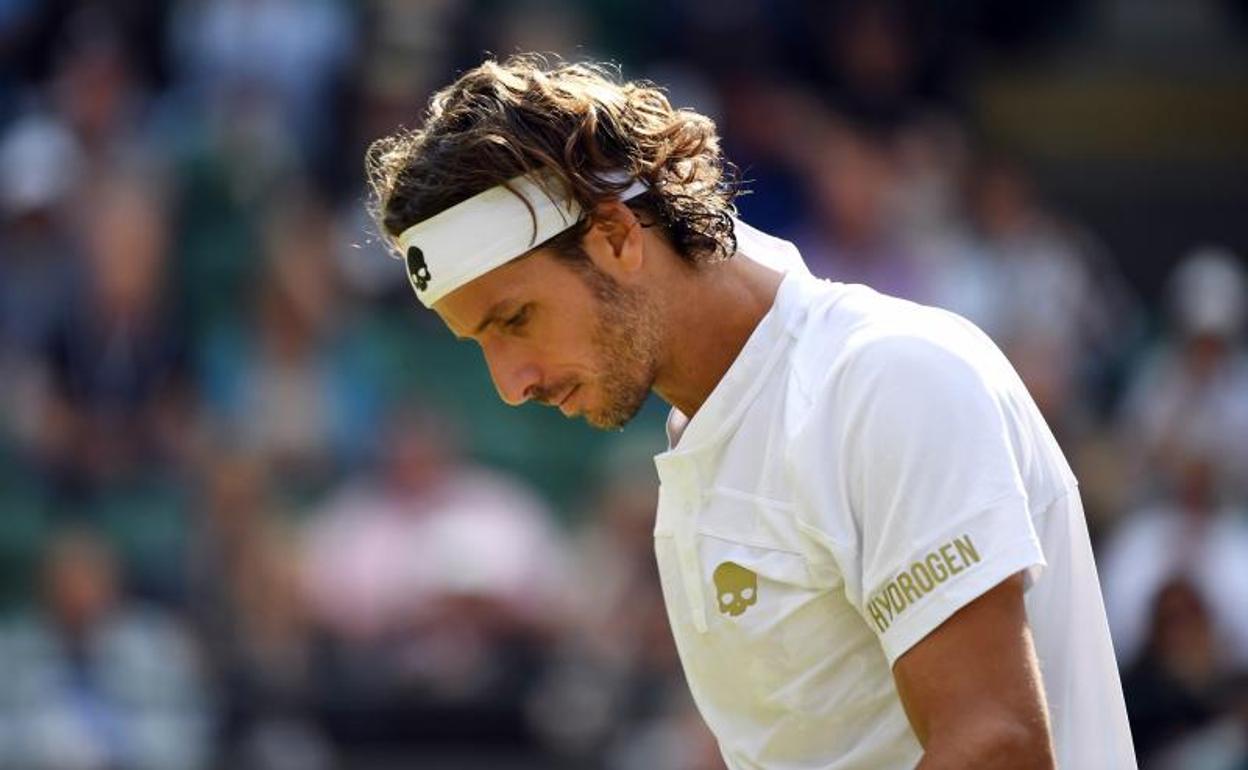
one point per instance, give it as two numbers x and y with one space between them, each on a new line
856 340
904 383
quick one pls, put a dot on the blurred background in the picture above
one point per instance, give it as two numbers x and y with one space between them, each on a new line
259 511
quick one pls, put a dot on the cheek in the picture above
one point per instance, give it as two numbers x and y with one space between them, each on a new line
559 357
573 346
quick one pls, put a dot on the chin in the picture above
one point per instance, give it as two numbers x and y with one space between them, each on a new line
617 417
599 423
602 423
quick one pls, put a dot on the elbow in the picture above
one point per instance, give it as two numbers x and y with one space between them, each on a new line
1028 747
1016 746
997 745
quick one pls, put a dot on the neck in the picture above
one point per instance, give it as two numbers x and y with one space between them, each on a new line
711 312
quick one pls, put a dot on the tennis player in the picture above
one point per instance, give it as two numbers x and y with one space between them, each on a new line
871 548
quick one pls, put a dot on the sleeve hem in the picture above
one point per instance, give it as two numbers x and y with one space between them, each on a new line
1024 554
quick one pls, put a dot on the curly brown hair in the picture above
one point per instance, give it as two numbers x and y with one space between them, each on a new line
574 121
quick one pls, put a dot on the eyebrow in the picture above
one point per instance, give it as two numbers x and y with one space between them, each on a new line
492 315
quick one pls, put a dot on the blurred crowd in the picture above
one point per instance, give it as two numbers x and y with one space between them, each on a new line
258 511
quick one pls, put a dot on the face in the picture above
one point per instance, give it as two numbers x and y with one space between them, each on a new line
567 335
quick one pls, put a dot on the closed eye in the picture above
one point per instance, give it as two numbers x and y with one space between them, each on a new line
517 321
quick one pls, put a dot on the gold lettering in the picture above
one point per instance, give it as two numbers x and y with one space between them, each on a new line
884 605
907 586
966 549
896 601
919 572
912 585
877 614
946 553
938 569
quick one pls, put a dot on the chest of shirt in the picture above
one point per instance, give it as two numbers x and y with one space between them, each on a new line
775 654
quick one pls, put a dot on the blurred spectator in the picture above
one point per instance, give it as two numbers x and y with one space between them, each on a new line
93 682
17 19
851 176
288 55
1084 312
118 399
765 124
615 689
1190 395
1221 745
1197 535
540 25
696 30
614 644
293 389
435 578
231 163
1171 689
252 616
40 167
871 55
934 163
95 88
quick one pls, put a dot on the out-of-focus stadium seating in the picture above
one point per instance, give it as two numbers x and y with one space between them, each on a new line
258 510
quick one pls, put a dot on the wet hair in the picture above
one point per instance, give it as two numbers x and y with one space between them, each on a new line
578 124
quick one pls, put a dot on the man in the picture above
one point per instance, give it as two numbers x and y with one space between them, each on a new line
872 551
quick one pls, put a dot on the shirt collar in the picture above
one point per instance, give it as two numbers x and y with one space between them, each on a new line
746 376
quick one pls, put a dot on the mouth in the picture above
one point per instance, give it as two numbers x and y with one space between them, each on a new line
564 403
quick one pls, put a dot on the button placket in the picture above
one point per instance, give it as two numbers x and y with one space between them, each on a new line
686 542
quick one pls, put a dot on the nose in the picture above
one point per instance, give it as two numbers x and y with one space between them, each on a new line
514 378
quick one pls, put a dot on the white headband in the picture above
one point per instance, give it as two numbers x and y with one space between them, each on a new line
487 231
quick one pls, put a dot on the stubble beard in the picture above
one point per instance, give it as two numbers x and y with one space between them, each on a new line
626 341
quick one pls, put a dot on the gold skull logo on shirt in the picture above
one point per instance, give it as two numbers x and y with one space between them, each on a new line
736 587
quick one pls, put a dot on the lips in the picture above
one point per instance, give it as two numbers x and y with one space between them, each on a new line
565 403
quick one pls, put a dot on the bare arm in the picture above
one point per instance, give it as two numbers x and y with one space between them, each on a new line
972 688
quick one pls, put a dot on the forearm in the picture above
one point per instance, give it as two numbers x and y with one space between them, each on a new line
1005 747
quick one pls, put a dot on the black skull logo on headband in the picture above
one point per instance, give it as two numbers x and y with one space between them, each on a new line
417 270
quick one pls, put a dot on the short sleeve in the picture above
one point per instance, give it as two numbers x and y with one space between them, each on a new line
920 495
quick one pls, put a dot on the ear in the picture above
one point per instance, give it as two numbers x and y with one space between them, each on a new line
614 240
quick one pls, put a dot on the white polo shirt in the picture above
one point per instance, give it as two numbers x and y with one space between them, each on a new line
866 467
